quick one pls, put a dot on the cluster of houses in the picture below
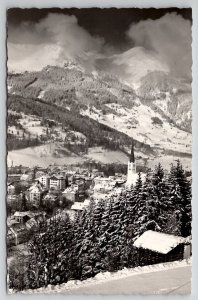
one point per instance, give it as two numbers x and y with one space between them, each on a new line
35 186
76 186
20 224
79 186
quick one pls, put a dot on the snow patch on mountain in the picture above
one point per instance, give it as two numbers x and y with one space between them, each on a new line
139 122
41 95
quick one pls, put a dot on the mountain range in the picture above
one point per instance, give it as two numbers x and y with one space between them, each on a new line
128 95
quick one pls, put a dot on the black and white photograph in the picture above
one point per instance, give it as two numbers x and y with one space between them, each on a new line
99 151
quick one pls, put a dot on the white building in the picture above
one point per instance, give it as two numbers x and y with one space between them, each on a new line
35 192
35 196
45 180
132 176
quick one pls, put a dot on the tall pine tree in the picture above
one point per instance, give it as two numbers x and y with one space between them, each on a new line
180 193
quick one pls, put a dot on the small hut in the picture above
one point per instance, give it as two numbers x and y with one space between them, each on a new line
156 247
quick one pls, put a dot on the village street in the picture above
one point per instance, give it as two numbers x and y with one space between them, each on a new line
173 281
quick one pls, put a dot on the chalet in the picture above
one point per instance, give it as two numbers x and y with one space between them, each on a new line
71 193
31 223
35 196
13 200
79 206
20 224
22 217
11 189
88 181
156 247
26 177
16 234
38 174
13 177
57 182
49 197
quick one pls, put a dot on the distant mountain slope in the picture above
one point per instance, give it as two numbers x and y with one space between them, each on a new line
70 85
172 95
136 63
145 125
106 111
95 134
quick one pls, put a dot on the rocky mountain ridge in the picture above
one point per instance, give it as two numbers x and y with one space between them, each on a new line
157 113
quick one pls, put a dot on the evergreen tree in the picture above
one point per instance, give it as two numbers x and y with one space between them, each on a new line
76 244
86 234
180 195
50 253
113 233
151 208
131 201
104 235
88 252
161 195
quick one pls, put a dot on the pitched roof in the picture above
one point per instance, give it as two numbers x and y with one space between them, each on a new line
158 242
35 190
49 196
53 177
78 206
22 214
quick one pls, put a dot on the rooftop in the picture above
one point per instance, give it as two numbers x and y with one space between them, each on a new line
78 206
158 242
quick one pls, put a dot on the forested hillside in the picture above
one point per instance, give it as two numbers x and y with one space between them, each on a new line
96 134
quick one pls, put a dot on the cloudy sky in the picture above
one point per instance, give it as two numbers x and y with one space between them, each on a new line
40 37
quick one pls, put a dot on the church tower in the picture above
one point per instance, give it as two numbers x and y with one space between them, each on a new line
131 173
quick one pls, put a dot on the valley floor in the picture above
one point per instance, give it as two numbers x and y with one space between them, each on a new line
45 155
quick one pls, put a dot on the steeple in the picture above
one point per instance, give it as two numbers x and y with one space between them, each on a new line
131 172
132 156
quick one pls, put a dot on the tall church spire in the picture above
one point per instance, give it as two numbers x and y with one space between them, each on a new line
131 172
132 156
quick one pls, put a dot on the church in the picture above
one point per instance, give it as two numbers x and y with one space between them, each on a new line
132 175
